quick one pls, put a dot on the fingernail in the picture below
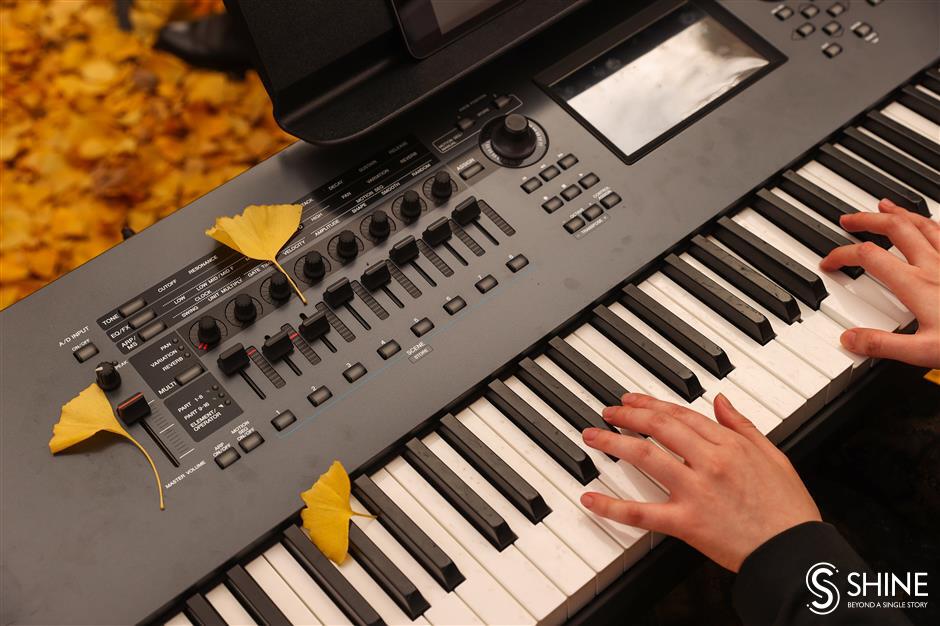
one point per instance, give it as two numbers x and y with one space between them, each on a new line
628 398
848 338
587 500
609 412
589 434
721 399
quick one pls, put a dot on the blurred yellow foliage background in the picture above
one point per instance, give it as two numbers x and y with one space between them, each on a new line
98 131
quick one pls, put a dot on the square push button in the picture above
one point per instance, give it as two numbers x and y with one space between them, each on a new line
531 185
251 442
227 458
589 180
422 327
574 225
354 372
567 161
470 171
388 349
570 193
454 304
283 420
592 212
319 396
85 352
132 307
486 283
610 200
832 50
552 204
516 263
549 173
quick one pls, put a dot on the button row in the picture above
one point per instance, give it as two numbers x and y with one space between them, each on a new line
591 213
808 11
549 173
570 193
247 444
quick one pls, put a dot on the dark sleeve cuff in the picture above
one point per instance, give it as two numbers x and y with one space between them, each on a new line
771 588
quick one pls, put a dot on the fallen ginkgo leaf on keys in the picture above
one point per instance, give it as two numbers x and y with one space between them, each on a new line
326 516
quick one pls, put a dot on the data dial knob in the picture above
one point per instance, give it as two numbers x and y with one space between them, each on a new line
314 267
208 331
380 227
346 245
442 187
244 310
279 288
410 205
107 376
513 138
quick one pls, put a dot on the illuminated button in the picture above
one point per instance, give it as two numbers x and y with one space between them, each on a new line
574 224
142 319
832 50
531 185
836 10
589 180
570 193
251 442
227 458
85 352
783 13
486 283
567 161
283 420
319 396
189 375
454 304
552 204
610 200
592 212
422 327
388 349
354 372
152 331
549 173
471 171
516 263
132 307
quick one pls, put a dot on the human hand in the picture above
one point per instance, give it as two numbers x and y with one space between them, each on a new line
734 491
915 283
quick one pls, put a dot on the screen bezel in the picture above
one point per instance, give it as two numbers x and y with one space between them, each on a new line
424 21
609 40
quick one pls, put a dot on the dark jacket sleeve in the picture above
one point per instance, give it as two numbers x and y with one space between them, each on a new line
773 585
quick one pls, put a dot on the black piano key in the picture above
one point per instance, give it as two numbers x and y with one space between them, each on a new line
520 493
201 613
386 573
565 452
588 374
799 281
921 103
431 557
732 308
662 364
468 502
253 598
931 80
330 580
681 334
743 276
908 140
559 397
825 204
810 232
901 166
875 183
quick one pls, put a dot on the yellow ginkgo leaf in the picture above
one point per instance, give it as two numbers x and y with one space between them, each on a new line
86 415
260 232
327 514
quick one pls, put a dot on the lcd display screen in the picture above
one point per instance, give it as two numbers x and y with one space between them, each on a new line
639 90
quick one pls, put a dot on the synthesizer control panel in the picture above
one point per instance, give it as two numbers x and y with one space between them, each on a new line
431 254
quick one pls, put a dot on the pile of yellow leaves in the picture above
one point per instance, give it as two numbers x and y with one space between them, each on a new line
98 130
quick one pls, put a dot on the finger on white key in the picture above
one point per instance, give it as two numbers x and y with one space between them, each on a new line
227 606
307 589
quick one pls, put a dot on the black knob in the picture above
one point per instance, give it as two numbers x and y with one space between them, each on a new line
513 138
441 187
314 267
279 288
208 331
346 245
233 360
107 376
438 232
404 251
467 211
380 227
410 205
245 311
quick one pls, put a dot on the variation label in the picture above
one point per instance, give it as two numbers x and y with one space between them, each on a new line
203 407
167 365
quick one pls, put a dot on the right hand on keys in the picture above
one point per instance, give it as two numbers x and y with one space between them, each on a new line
734 491
915 283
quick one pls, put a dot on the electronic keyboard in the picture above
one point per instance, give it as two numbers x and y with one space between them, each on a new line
483 276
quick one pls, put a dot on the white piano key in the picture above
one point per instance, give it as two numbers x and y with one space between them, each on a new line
517 574
760 383
635 541
568 521
447 609
535 541
765 420
228 607
872 135
867 291
306 588
804 345
915 121
482 593
373 594
178 620
625 480
280 592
